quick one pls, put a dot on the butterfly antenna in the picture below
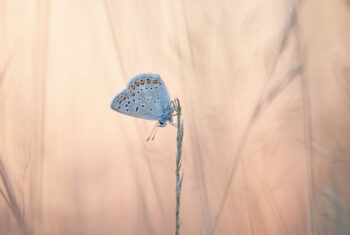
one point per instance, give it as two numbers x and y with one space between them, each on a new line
151 134
155 131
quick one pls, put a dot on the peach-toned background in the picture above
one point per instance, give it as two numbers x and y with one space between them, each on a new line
265 88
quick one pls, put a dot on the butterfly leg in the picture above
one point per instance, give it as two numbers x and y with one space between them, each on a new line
173 124
175 114
172 102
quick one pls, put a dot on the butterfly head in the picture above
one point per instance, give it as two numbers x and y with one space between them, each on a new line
167 116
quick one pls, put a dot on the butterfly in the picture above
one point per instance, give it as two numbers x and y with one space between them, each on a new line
147 97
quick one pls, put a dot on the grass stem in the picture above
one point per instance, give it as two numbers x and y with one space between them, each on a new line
179 178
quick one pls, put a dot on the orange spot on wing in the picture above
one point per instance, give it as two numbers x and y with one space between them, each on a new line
133 94
137 83
124 98
155 82
133 87
148 81
142 82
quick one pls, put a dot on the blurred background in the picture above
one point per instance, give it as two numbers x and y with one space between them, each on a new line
265 90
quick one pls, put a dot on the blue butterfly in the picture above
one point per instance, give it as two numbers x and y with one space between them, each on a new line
145 97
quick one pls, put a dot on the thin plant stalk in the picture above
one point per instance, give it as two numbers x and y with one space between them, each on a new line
179 179
10 198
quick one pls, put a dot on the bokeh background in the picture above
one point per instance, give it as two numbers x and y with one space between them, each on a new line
265 88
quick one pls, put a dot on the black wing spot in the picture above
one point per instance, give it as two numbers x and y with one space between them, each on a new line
142 106
151 109
139 98
127 110
151 88
158 98
128 102
137 108
126 105
155 87
154 101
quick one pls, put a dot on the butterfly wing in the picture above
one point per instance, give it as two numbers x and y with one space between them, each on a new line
144 97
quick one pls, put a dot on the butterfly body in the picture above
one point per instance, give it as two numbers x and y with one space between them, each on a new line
145 97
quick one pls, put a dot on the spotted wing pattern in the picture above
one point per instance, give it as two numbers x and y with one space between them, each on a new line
144 97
